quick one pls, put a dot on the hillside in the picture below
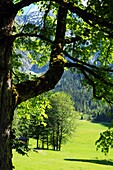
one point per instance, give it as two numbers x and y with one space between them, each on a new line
89 107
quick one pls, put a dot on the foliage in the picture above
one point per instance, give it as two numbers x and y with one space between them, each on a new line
61 119
47 116
28 116
87 48
105 141
20 147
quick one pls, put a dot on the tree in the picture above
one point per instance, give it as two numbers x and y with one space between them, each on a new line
67 35
30 117
61 120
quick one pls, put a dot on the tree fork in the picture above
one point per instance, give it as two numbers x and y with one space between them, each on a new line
29 89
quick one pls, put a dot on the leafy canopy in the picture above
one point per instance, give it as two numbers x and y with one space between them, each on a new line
87 44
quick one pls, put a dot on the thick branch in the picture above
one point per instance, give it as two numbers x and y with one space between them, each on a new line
42 37
29 89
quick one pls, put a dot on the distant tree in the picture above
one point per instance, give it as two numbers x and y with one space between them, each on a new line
61 120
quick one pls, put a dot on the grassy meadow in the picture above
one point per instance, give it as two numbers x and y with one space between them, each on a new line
79 153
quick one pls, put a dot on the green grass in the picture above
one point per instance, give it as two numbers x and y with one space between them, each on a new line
79 153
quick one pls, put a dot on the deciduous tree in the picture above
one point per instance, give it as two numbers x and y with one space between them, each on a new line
61 122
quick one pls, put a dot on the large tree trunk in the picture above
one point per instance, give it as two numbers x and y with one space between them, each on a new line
6 106
6 100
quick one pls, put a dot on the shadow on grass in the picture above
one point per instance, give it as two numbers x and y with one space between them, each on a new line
107 124
96 161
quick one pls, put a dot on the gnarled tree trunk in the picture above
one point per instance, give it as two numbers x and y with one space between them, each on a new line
6 103
6 100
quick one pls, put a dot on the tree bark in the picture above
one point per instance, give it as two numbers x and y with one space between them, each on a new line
6 95
57 136
53 139
60 138
47 138
6 104
37 143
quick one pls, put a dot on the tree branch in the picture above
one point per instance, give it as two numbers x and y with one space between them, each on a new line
79 61
46 13
87 16
88 73
91 72
87 64
91 82
29 89
42 37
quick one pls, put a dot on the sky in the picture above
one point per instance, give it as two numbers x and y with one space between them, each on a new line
84 2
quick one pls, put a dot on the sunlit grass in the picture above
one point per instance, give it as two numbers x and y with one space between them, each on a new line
79 153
